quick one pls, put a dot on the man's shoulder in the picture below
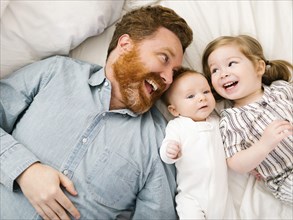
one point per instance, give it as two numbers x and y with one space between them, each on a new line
153 120
69 61
158 116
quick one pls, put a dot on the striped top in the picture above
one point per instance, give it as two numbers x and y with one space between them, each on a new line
242 127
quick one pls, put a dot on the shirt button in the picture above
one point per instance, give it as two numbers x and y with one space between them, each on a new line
104 114
99 89
65 172
106 83
84 140
264 104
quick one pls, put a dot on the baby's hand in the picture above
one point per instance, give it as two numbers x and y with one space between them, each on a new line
275 132
173 150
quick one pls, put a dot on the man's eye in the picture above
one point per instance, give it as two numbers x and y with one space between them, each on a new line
165 58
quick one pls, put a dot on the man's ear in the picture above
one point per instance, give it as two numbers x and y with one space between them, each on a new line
261 67
173 111
125 43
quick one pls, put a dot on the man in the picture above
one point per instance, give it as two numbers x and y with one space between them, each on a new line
81 141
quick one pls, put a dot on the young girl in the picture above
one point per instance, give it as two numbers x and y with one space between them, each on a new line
257 130
193 143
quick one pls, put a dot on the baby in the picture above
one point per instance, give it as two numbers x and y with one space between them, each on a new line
193 142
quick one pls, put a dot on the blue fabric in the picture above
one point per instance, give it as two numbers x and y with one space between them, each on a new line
56 111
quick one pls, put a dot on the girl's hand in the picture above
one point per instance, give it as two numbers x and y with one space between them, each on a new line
275 133
173 150
256 174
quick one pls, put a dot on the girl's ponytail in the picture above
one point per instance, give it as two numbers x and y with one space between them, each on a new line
277 70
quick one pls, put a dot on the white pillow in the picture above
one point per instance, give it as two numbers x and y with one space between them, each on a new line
3 5
94 49
32 30
270 22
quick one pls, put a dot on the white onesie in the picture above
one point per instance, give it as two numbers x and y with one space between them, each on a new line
202 181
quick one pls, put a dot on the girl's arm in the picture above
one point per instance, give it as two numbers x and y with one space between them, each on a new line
246 160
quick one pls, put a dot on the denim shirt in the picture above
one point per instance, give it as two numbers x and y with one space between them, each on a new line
56 111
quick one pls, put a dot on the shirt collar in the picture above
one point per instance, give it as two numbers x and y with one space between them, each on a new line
255 105
97 78
267 92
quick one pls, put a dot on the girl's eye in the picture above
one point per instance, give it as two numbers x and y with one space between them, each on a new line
214 70
232 63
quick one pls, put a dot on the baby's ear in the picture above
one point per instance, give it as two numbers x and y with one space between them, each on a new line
172 110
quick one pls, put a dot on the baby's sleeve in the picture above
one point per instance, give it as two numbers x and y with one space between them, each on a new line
172 134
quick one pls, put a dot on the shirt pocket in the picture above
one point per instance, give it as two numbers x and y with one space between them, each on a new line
113 181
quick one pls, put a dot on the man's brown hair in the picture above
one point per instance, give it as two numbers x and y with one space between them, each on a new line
145 21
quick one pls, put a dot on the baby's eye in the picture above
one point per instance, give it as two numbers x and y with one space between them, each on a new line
206 92
190 96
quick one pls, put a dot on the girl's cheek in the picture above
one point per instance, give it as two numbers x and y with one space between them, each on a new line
214 82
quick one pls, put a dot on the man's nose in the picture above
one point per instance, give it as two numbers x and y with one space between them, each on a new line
167 76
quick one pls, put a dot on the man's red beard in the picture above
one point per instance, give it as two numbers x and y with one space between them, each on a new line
131 76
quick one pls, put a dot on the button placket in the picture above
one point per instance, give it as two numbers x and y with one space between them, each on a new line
264 104
65 172
84 140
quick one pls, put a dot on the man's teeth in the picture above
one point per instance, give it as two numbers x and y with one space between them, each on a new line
153 84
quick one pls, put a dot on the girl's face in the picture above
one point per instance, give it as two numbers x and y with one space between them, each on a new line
234 76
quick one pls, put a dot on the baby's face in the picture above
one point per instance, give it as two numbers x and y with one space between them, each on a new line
191 96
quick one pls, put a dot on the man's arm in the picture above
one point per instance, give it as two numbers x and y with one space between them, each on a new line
39 183
17 93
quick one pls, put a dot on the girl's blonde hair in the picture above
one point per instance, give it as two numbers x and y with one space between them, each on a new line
251 48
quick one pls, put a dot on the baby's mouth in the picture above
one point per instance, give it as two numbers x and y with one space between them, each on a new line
204 106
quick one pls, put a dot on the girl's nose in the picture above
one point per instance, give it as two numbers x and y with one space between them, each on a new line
224 73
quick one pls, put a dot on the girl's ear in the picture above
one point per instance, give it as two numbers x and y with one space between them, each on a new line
173 111
261 67
125 43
